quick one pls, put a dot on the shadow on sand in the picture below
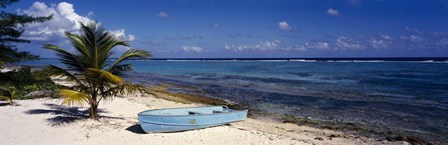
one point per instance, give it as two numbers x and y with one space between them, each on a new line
136 129
4 104
7 104
65 115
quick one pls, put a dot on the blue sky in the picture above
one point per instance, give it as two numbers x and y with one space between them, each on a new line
252 28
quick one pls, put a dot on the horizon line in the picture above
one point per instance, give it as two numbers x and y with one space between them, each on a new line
300 58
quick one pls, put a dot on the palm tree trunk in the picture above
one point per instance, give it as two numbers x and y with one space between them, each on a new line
93 113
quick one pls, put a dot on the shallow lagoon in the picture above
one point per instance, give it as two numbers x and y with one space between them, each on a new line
409 96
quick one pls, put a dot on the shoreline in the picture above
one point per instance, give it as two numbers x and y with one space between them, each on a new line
348 128
354 128
43 121
323 131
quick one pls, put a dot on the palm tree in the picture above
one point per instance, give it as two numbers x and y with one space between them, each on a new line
96 78
8 94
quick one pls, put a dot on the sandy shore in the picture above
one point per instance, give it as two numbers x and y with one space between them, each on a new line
44 121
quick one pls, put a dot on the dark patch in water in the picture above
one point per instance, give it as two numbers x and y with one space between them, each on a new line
266 80
404 116
301 74
414 102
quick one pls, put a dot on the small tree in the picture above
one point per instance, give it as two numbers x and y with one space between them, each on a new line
89 67
8 94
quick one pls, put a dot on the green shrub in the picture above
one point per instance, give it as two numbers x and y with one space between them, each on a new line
8 94
25 80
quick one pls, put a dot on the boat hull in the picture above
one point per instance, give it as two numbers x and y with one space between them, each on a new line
182 119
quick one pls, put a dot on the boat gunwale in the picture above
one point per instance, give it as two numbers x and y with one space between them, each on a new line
233 111
209 124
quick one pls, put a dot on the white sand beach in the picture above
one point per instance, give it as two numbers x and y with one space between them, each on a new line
44 122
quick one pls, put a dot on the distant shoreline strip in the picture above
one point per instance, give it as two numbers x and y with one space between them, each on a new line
322 59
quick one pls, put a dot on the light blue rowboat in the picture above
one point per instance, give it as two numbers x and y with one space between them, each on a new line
181 119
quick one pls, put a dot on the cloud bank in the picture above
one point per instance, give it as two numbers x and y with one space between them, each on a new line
65 19
379 41
192 49
260 46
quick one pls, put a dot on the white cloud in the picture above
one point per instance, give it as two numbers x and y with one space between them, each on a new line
309 46
413 38
67 11
120 34
315 46
192 49
154 43
413 30
438 33
122 48
300 47
277 45
322 45
443 43
162 15
333 12
416 38
347 43
387 37
376 43
216 25
267 45
90 14
285 26
65 19
260 46
165 51
236 47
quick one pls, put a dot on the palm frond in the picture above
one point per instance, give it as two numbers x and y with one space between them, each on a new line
9 99
132 88
4 97
4 89
57 71
7 91
7 94
120 69
107 41
126 88
132 53
101 74
79 44
73 97
89 40
70 60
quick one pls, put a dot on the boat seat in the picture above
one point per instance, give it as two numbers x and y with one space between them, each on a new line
196 113
214 111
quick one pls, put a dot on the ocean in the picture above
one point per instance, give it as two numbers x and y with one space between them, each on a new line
401 94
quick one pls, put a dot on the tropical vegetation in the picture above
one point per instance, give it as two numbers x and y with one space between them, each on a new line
91 69
25 83
7 94
11 29
18 84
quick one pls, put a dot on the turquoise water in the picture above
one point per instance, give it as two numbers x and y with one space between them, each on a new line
401 95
